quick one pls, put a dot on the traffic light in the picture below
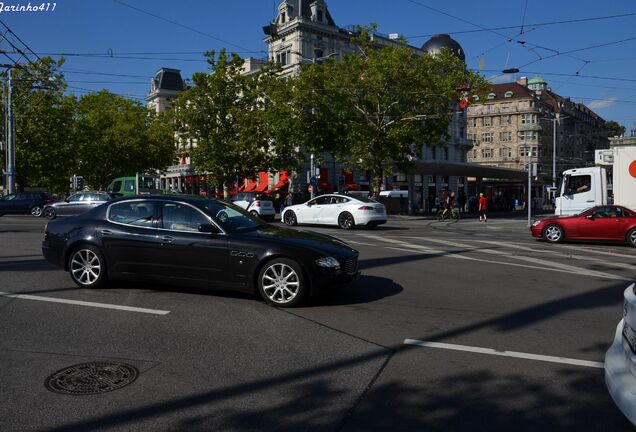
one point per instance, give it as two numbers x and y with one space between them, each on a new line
79 180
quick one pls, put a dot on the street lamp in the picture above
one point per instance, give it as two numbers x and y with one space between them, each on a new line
314 59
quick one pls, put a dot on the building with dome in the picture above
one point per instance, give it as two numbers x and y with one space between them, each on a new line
306 31
526 122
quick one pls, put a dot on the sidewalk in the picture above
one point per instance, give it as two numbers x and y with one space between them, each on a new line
516 214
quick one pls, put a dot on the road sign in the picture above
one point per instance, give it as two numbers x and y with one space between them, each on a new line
314 181
310 189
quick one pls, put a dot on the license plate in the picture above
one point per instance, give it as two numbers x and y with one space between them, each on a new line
379 209
630 336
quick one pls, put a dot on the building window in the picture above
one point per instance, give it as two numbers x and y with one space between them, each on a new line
445 153
487 121
474 154
528 151
433 152
508 94
491 96
475 97
528 118
505 136
282 57
507 106
320 16
472 122
282 17
488 108
528 136
486 153
506 119
487 137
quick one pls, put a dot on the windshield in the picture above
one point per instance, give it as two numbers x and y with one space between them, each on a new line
232 218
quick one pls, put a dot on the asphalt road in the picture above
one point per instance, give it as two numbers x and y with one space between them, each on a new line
452 327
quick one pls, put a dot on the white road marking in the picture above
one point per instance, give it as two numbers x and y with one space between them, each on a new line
84 303
540 263
514 354
361 243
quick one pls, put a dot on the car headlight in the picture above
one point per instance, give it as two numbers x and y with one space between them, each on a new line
328 262
535 223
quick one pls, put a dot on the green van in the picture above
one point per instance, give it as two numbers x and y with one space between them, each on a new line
139 184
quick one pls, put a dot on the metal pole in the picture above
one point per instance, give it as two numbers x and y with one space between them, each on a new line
554 122
10 138
4 138
529 181
311 175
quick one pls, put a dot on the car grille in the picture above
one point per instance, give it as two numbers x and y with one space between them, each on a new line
351 265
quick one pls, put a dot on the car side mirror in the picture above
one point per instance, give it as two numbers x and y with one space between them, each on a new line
208 228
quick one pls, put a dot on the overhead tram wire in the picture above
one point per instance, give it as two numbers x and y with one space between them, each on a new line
192 29
541 24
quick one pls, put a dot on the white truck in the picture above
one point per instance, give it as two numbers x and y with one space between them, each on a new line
582 188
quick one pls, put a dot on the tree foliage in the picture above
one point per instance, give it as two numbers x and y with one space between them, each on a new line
44 150
235 120
116 136
379 104
614 129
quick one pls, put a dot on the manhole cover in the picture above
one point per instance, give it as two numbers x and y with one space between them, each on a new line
91 378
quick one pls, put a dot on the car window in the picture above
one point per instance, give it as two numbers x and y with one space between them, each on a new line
116 186
231 217
601 212
101 197
129 186
323 200
75 198
182 217
9 197
22 196
617 212
137 213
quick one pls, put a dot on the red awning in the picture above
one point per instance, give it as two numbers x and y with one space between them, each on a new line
250 187
282 183
263 182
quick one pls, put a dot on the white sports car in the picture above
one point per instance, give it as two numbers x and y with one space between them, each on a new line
334 209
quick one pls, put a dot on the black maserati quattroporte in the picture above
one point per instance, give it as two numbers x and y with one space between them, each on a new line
197 242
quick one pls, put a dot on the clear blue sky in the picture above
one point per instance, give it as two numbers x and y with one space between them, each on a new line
605 80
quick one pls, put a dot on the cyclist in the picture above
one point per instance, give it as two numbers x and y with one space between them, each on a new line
449 200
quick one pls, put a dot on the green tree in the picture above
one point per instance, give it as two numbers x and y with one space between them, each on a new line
116 136
44 151
614 129
379 104
233 120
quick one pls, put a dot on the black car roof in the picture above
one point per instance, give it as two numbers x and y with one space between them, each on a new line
184 198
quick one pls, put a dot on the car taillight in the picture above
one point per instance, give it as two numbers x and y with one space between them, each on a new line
365 208
257 204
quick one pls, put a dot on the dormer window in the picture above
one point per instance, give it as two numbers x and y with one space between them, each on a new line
283 15
508 94
320 15
491 95
475 97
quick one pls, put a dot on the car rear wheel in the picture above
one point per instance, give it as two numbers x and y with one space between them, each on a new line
290 218
254 213
36 211
553 233
345 220
49 213
281 283
87 267
631 237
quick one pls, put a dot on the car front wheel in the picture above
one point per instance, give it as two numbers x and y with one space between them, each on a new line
631 237
281 283
49 213
87 267
345 220
553 233
290 218
36 211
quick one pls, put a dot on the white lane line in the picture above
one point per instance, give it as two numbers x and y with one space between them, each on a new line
514 354
542 263
84 303
361 243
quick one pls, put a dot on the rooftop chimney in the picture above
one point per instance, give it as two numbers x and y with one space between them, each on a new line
523 81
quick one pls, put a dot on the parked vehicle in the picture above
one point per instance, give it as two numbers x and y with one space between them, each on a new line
599 223
620 374
24 203
334 209
75 204
582 188
251 202
138 184
197 242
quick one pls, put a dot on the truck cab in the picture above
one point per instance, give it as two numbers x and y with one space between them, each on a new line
581 188
132 185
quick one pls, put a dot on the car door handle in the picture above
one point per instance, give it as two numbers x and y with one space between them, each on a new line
589 201
167 239
105 232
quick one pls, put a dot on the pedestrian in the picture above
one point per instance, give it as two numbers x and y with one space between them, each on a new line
483 206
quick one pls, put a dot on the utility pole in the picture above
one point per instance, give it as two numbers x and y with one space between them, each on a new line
10 173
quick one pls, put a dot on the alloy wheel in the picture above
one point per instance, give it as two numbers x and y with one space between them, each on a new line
49 213
36 211
290 218
553 233
85 267
345 221
280 283
631 237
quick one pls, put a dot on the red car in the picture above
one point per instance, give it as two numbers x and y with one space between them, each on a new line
602 223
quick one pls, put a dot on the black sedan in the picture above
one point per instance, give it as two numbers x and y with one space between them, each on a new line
197 242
